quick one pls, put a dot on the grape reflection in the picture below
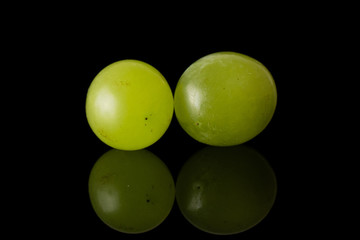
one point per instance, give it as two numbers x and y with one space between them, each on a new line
131 191
226 190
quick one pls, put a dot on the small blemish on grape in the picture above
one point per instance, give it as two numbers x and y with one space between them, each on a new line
146 118
105 179
102 133
123 83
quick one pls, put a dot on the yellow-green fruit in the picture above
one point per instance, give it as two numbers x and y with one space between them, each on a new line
129 105
225 99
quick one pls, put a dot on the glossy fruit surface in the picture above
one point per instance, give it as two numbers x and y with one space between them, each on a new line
129 105
226 190
225 99
131 191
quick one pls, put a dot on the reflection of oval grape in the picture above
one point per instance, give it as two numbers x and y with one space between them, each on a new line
225 99
131 191
129 105
225 190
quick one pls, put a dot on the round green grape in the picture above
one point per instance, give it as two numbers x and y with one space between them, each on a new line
129 105
226 190
225 99
131 191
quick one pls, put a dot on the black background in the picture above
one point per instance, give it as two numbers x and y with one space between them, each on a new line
55 148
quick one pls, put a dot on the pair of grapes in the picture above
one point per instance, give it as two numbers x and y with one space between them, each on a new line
223 99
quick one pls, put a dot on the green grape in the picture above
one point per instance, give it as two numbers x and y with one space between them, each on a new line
129 105
225 99
226 190
131 191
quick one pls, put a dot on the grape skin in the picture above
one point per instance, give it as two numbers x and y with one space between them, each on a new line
129 105
225 99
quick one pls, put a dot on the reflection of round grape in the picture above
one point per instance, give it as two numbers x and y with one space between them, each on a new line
129 105
131 191
225 190
225 99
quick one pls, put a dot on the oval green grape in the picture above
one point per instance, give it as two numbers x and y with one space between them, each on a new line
131 191
129 105
225 99
227 190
